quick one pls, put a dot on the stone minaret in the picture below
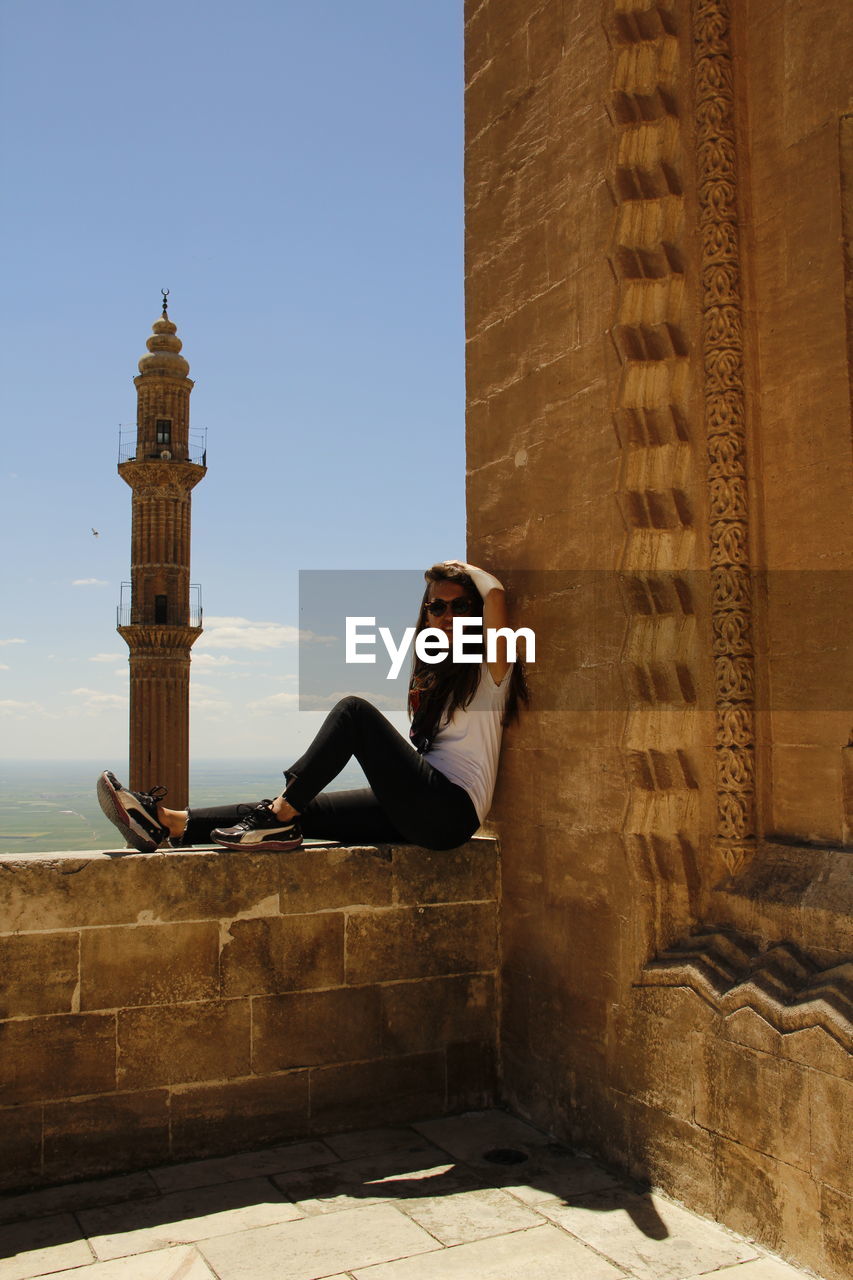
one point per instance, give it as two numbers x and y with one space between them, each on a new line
158 623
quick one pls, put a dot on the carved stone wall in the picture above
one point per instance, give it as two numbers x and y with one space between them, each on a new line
644 331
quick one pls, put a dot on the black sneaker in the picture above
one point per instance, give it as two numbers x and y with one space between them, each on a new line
133 812
260 829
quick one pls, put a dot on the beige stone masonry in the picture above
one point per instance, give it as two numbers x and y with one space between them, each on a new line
658 284
169 1005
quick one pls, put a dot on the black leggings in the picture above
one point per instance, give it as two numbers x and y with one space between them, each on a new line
408 801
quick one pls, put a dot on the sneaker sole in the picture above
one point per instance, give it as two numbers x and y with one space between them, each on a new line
119 817
273 846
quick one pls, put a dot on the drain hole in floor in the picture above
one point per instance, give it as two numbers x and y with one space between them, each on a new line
505 1155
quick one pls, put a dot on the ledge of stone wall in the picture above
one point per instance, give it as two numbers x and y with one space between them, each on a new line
166 1006
792 893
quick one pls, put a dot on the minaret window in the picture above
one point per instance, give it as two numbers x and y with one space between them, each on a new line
161 609
164 431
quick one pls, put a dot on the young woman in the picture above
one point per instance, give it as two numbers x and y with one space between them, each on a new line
433 791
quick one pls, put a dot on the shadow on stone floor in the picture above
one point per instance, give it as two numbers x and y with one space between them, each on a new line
533 1173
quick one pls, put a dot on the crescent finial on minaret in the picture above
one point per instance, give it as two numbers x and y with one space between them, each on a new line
165 293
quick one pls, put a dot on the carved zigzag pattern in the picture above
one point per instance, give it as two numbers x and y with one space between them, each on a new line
781 984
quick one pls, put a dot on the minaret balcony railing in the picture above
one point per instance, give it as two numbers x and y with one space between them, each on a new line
125 616
197 451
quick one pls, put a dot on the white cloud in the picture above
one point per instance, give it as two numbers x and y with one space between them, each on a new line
241 633
275 702
106 657
4 666
212 660
89 582
94 700
13 640
12 708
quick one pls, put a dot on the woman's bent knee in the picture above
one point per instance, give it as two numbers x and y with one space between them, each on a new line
352 704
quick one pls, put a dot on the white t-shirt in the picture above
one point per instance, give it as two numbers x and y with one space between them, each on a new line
466 748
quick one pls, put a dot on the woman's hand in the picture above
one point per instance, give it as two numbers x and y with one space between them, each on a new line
494 613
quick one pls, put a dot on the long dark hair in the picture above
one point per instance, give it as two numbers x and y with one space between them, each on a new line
438 689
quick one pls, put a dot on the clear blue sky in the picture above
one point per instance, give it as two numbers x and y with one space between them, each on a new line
292 172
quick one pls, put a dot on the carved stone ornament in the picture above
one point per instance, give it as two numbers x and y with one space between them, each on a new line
725 423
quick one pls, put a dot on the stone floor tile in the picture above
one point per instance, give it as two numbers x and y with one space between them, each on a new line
74 1196
393 1175
315 1247
179 1263
469 1137
35 1248
185 1216
558 1179
469 1215
374 1142
249 1164
649 1236
760 1269
543 1252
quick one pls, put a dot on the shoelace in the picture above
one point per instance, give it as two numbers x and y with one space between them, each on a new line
255 814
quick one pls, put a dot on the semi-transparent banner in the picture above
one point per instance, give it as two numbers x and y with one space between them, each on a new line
597 640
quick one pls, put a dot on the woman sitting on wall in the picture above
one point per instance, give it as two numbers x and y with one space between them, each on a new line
435 795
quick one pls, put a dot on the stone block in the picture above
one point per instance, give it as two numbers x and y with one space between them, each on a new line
213 1118
546 40
107 1134
649 1237
544 1251
671 1151
500 84
753 1099
420 942
64 891
314 1028
390 1090
423 876
165 1044
470 1215
768 1200
653 1062
57 1057
472 1075
74 1196
46 1245
40 973
536 942
437 1011
325 879
748 1028
317 1246
117 1230
832 1148
247 1164
807 793
383 1141
180 1262
20 1148
283 953
149 964
814 1047
836 1214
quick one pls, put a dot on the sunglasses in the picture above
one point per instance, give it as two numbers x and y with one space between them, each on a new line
459 606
